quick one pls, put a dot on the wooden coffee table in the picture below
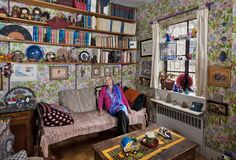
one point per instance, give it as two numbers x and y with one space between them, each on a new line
181 149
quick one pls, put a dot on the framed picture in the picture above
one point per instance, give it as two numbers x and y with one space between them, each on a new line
219 76
1 79
116 70
218 108
96 71
146 67
58 72
23 72
146 48
107 71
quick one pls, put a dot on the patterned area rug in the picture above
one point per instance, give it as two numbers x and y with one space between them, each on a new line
144 152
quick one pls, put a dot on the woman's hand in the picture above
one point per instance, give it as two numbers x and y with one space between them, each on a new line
100 113
130 110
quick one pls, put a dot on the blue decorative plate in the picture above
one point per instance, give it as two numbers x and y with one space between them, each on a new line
34 53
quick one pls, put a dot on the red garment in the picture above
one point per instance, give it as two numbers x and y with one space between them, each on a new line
105 98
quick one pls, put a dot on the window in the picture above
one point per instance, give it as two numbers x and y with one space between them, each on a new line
184 47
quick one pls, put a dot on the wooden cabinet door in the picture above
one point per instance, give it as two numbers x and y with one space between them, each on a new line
21 126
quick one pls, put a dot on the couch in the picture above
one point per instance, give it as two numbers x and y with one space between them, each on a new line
82 104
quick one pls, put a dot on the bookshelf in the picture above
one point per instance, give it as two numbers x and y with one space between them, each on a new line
43 4
65 45
70 9
31 22
74 63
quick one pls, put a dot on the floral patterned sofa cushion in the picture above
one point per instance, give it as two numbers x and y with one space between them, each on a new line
6 139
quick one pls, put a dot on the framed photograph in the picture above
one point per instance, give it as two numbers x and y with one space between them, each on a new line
146 67
218 108
96 71
116 70
107 71
58 72
1 80
146 48
219 76
23 72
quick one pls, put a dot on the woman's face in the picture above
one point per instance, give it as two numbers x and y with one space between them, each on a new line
108 81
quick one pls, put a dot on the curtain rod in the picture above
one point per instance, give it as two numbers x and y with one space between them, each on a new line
178 13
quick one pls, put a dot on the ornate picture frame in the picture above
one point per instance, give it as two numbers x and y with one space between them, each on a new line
95 71
58 73
146 67
116 70
146 48
218 108
219 76
107 71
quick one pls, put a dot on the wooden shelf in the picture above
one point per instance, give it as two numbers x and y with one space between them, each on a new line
75 63
70 9
65 45
31 22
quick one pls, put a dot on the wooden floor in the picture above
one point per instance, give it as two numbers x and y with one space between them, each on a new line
80 149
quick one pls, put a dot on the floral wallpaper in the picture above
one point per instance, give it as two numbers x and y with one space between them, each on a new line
220 131
46 89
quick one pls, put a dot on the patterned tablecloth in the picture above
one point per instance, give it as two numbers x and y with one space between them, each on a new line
144 153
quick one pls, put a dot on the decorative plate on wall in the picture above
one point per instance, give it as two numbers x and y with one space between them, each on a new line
84 56
16 32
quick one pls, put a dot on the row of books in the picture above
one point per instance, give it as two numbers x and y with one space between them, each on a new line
47 34
105 7
122 11
115 26
111 41
113 56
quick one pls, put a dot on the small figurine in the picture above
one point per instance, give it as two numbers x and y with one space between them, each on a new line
165 133
129 145
37 14
3 12
25 13
194 32
16 11
45 16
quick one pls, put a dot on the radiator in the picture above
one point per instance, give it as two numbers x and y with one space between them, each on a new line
186 124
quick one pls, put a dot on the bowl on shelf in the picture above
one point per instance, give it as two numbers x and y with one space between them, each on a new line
34 53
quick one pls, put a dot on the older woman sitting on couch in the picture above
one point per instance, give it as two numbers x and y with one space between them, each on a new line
116 104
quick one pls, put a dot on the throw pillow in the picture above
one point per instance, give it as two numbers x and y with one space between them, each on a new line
6 140
60 108
21 155
139 102
196 106
53 117
131 95
135 99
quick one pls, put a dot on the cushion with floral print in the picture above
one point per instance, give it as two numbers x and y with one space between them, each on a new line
53 117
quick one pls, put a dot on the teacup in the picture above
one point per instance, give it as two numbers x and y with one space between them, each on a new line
150 136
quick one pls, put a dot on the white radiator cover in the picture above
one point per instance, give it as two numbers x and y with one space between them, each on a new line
187 124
